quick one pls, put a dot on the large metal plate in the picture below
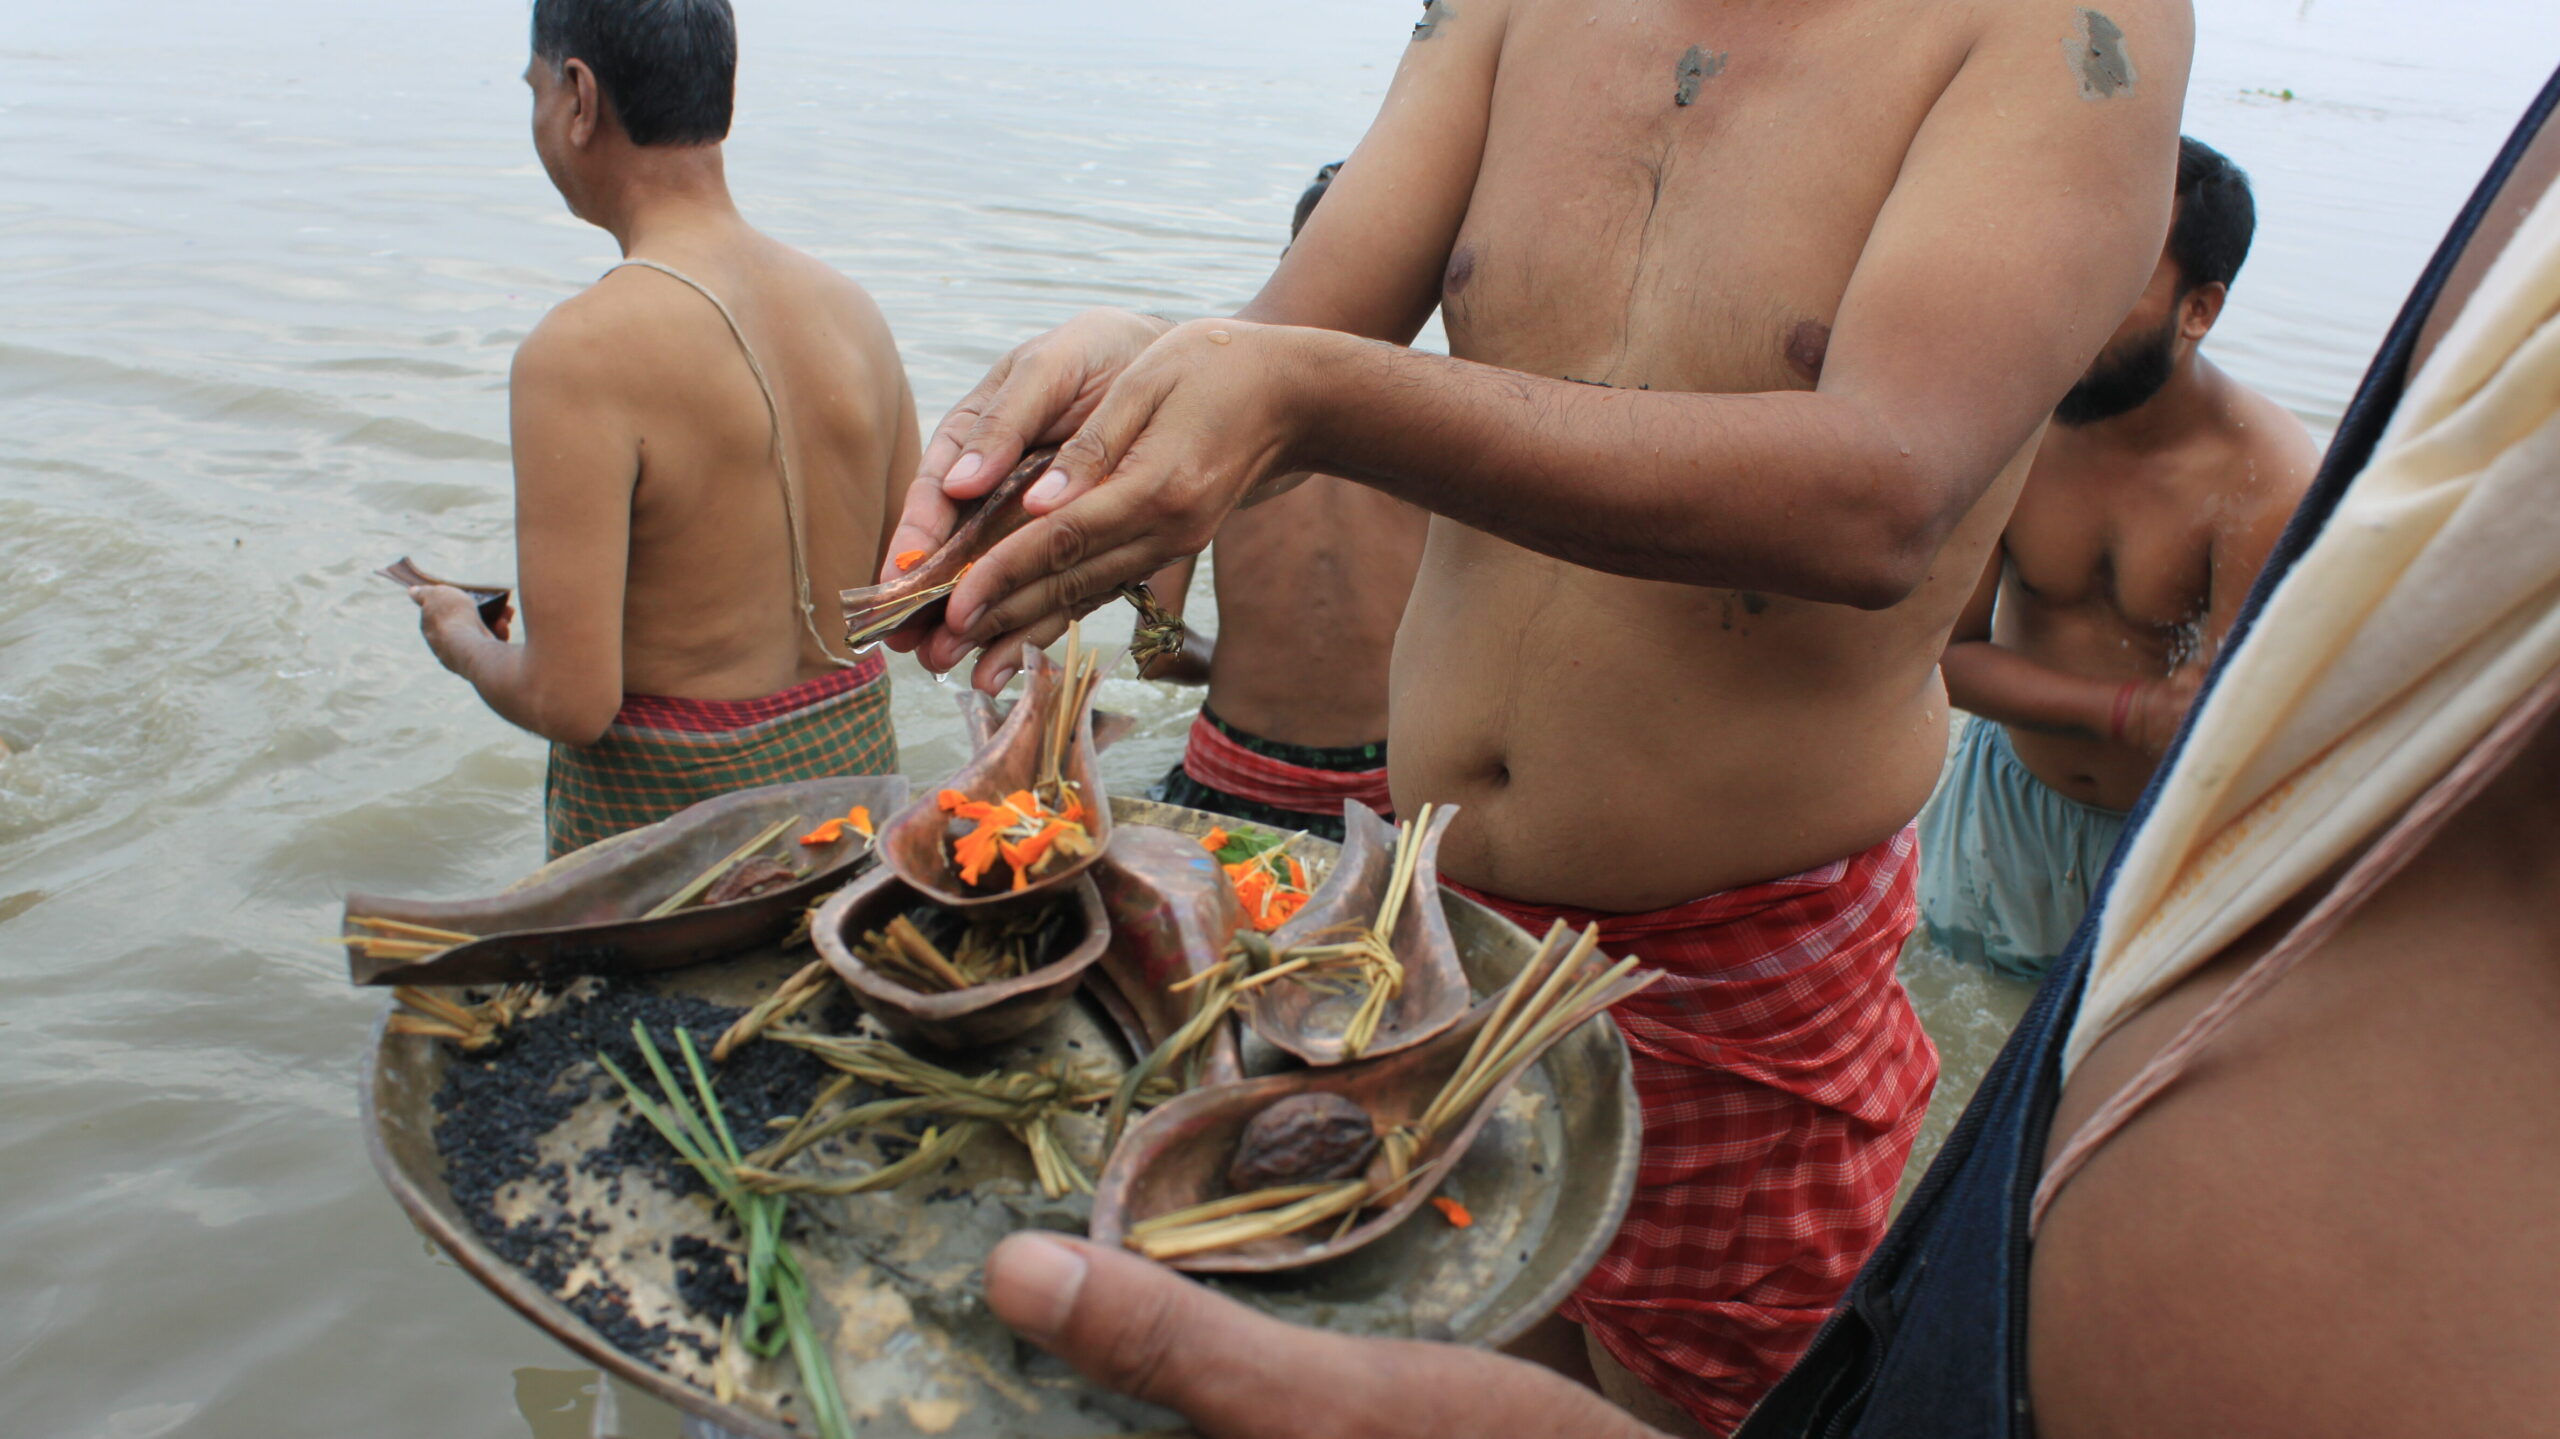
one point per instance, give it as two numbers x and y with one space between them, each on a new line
897 1273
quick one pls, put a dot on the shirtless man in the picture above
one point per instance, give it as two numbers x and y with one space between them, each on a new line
1821 271
1310 587
673 516
2154 500
2338 1224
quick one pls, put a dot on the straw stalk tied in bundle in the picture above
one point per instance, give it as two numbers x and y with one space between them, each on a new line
1159 631
471 1027
989 948
1028 1105
399 940
789 998
1540 1007
776 1315
1369 956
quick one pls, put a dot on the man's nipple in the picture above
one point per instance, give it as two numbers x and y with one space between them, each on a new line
1808 345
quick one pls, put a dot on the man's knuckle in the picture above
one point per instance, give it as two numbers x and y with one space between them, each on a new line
1069 542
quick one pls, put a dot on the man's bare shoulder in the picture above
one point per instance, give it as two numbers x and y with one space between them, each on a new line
2275 450
2099 42
837 295
589 340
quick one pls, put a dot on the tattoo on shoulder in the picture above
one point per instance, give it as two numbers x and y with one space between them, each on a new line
2098 57
1695 66
1435 13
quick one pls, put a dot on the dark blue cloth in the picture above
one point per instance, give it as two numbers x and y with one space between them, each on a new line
1932 1338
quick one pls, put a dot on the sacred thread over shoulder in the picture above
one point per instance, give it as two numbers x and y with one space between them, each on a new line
2098 57
1435 13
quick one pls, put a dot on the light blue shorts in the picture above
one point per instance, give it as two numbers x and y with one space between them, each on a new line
2006 864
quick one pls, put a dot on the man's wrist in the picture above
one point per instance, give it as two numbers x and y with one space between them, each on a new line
1309 376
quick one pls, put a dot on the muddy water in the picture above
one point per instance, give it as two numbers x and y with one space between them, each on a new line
263 268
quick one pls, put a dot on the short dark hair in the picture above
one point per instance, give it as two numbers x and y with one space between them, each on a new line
1313 193
2216 217
670 67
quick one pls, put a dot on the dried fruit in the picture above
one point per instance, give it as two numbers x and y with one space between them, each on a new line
1305 1139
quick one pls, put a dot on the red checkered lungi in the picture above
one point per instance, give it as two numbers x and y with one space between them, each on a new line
1783 1077
1222 764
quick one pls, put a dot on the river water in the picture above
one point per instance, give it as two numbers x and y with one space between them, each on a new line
262 269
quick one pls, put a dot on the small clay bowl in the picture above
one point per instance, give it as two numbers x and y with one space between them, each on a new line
1306 1019
1172 912
915 843
1177 1156
972 1018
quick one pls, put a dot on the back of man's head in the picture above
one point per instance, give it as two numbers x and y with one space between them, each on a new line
2216 217
669 67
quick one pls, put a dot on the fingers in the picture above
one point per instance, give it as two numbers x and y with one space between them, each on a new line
928 520
1236 1374
944 444
1033 403
1096 449
1032 591
1001 660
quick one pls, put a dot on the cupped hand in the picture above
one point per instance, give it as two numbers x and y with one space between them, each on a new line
450 621
1130 1325
1036 395
1193 427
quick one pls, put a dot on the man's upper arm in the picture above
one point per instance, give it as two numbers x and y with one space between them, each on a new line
2028 214
1974 625
576 462
1370 259
2240 549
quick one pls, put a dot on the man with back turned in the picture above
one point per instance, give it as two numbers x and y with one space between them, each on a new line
711 433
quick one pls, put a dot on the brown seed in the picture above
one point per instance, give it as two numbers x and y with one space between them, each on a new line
1304 1139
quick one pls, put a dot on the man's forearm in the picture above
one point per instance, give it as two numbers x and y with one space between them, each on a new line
1800 494
507 680
2008 688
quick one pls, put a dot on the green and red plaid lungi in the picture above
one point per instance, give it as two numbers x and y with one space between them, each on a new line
663 754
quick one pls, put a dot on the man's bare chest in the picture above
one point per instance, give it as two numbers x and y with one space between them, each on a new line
1677 196
2126 552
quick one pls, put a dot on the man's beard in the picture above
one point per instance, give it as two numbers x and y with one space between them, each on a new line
2124 379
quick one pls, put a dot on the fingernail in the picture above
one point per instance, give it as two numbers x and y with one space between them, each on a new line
1050 1275
1003 676
965 469
1050 487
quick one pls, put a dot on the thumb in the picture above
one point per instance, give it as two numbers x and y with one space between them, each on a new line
1143 1330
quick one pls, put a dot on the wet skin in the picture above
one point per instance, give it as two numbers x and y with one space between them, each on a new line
2358 1239
650 531
1675 630
2132 546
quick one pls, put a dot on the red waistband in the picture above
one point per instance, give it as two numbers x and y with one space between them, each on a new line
719 716
1743 925
1222 764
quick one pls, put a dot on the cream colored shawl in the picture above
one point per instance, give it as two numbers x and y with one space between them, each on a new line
2425 607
